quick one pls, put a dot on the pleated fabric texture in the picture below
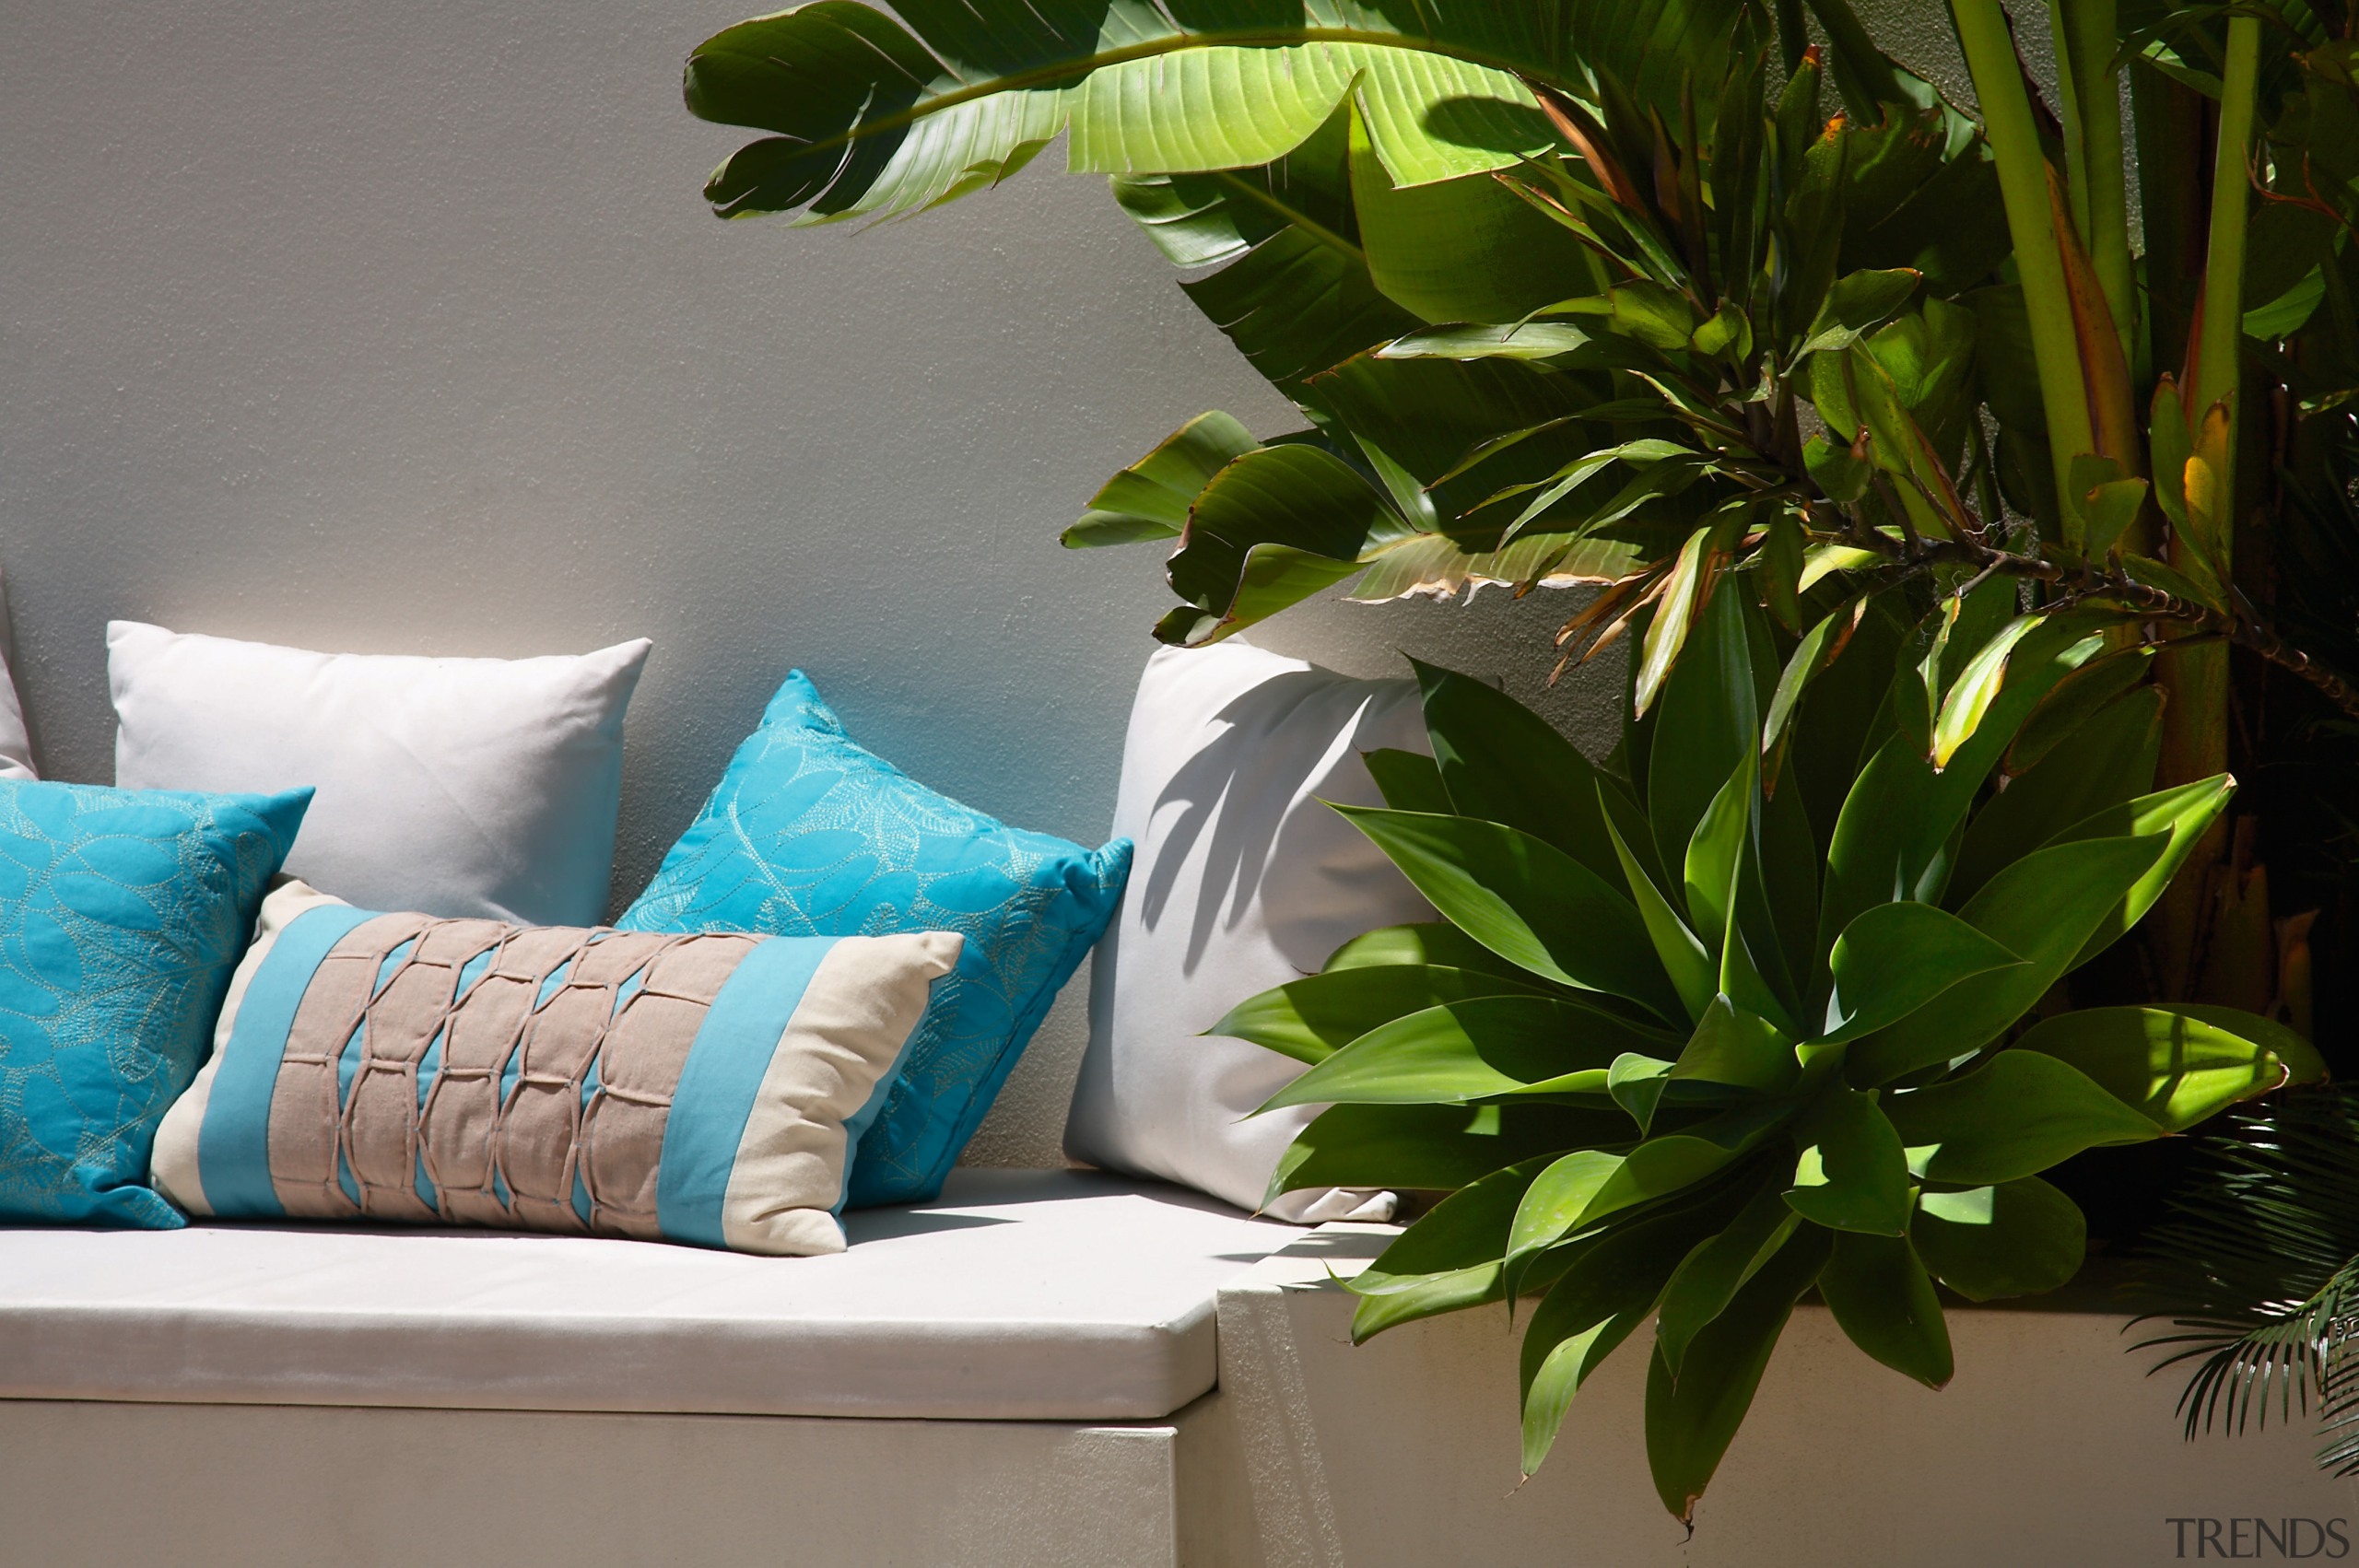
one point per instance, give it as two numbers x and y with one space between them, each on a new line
707 1088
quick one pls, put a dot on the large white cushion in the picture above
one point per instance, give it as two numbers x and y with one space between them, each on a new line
455 787
1018 1296
1242 879
16 746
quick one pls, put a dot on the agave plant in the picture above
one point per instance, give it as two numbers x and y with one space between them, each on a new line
1690 1048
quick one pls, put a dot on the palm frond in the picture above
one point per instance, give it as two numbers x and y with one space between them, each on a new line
2258 1270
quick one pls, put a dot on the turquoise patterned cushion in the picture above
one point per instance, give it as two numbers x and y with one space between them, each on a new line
808 835
122 914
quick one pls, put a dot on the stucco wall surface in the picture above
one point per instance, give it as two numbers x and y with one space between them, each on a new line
402 328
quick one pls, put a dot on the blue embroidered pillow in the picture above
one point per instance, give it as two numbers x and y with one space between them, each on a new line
808 835
122 915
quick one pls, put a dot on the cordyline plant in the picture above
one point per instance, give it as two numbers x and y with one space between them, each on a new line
1851 405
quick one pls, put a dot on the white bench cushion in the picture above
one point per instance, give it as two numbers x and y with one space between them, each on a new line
1034 1295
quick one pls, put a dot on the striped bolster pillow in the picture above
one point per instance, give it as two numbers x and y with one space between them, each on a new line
706 1089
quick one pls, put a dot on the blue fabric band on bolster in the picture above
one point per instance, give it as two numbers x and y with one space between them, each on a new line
233 1145
719 1082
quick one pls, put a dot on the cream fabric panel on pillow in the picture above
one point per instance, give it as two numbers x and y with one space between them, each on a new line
456 786
707 1088
1242 881
16 746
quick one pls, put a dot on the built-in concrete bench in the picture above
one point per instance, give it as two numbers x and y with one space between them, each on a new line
1042 1368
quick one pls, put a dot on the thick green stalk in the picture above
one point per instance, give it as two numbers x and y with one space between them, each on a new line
2022 184
2195 721
2221 350
2085 30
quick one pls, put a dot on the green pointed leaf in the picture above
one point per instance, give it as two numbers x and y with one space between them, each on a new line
1452 1258
2042 908
1737 1050
1151 498
1604 1293
1525 900
1893 833
1977 688
1435 942
1819 648
1855 304
1438 1147
1312 1018
1721 839
1692 1418
1711 1274
2014 1117
1851 1175
2077 699
1683 956
1503 763
1675 612
1636 1084
1590 1186
2184 814
2172 1067
1408 781
1272 528
1466 1050
1463 250
1895 958
2020 1238
2108 762
1879 1293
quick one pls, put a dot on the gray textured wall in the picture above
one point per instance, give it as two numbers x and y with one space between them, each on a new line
401 328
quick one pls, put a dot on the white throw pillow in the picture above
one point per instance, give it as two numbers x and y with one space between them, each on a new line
455 787
1242 881
16 746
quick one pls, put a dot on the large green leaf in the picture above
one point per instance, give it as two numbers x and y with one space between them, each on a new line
2184 814
1451 1258
1291 287
2042 908
1503 763
2014 1117
2107 762
1692 1417
1151 498
1472 1050
2019 1239
1590 1186
1464 249
1881 1295
1525 900
1895 958
1681 953
1710 1275
1435 1147
2174 1067
1603 1293
1893 838
1272 528
1852 1174
1408 781
1311 1018
1436 942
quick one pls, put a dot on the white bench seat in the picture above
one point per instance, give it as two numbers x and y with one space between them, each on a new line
1019 1296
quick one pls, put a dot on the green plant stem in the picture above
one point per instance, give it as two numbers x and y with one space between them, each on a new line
2220 352
2022 184
2085 33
